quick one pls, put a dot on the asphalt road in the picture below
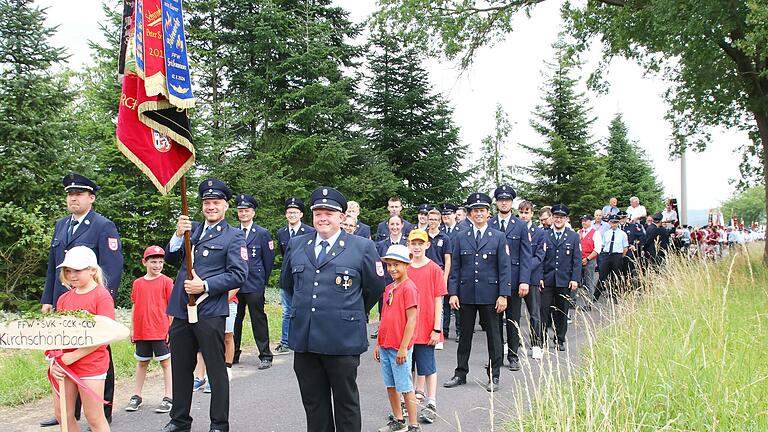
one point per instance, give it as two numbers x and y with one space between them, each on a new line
269 400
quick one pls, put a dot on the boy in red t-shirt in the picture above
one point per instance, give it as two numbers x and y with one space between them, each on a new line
394 345
430 285
149 325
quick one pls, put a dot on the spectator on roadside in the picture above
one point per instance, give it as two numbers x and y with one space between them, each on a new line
636 212
669 215
611 208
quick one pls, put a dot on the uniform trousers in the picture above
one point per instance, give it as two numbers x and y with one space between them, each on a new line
511 316
447 311
206 336
328 386
588 279
611 271
487 314
555 302
255 304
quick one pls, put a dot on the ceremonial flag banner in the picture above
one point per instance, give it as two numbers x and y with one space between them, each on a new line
152 125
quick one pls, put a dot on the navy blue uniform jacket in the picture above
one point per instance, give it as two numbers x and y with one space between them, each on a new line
439 246
382 231
99 234
220 259
261 259
519 250
634 233
537 253
284 235
562 259
363 230
331 299
480 273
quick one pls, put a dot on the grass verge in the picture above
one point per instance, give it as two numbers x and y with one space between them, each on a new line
689 353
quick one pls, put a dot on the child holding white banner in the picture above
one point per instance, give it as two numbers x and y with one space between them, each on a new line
83 370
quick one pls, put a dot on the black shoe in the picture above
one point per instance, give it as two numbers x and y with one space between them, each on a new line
514 364
216 430
561 346
236 359
458 338
171 427
375 334
49 422
264 364
493 385
454 382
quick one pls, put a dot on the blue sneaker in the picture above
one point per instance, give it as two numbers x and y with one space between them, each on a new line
198 384
207 388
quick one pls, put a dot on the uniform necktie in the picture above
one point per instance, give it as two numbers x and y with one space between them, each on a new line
321 255
293 232
478 236
503 225
557 236
613 237
205 232
72 224
245 231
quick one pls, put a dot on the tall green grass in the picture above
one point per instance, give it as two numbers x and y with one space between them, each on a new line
688 353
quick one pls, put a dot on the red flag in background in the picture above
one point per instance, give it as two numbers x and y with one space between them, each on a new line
153 132
164 151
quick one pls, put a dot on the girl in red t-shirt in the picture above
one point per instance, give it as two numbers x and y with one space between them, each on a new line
82 274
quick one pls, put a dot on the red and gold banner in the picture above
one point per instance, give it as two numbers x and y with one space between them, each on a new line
159 145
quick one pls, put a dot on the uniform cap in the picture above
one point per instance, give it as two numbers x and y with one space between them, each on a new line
425 208
614 218
246 201
477 200
587 217
560 210
214 189
504 192
79 258
153 251
418 234
294 202
448 208
622 214
398 252
74 182
658 217
328 198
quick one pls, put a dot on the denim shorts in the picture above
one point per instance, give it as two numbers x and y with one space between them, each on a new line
230 323
396 375
424 359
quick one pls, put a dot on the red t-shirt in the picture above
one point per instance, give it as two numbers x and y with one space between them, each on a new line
393 319
150 299
430 285
97 301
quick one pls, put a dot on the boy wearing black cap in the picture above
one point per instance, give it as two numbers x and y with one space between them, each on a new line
561 273
220 260
261 258
479 283
294 211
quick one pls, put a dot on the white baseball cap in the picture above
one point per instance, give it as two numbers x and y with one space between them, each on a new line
79 258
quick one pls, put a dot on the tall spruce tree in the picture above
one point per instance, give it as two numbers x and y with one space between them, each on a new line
35 132
410 125
285 120
565 169
631 171
492 169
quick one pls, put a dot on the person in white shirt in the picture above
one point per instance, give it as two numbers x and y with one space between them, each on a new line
635 211
669 215
615 247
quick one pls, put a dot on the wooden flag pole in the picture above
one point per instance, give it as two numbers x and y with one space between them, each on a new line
191 305
63 406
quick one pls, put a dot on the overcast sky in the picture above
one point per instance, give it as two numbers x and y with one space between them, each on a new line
510 73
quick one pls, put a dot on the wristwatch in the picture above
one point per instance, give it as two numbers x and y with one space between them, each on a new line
438 331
